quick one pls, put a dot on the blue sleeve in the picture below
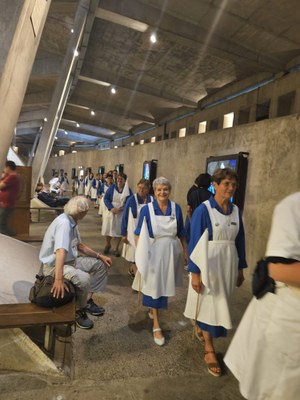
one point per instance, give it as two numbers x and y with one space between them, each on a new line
181 232
94 183
199 222
100 189
240 245
130 203
144 214
108 198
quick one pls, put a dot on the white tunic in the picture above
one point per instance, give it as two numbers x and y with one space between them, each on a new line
264 354
111 225
163 270
212 305
128 251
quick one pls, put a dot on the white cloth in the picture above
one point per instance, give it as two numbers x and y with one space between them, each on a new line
264 354
128 251
219 271
159 261
111 225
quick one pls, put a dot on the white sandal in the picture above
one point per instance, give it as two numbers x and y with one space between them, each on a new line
158 341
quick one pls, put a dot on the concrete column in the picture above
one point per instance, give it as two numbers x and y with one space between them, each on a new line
23 22
59 97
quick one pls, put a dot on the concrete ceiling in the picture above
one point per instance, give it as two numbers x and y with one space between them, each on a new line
202 45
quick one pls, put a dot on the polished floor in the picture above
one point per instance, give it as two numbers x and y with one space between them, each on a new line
118 359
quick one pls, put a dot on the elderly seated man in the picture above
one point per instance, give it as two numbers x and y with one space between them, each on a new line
59 257
48 199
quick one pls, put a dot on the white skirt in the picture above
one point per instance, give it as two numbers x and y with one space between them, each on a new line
264 354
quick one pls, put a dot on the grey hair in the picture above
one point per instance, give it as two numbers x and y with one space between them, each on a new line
161 181
76 205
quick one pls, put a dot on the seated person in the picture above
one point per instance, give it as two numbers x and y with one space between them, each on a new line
46 198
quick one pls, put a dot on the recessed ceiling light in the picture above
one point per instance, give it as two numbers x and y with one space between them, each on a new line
77 124
113 90
45 119
72 30
76 53
153 38
93 112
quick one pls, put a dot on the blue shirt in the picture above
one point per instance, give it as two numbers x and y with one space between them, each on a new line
200 221
157 211
62 233
131 203
108 198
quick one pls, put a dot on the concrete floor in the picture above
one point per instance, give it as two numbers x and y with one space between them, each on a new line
118 359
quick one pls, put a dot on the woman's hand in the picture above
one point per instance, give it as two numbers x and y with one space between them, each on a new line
125 240
240 278
196 282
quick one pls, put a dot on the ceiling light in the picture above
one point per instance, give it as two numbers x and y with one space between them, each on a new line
91 80
77 124
153 38
45 119
121 20
72 30
66 132
113 90
93 112
76 53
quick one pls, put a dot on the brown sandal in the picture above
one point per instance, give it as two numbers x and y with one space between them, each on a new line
214 365
199 335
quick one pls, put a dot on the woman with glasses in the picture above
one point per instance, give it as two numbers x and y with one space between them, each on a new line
216 262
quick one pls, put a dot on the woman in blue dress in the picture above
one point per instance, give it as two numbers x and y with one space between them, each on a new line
158 256
217 259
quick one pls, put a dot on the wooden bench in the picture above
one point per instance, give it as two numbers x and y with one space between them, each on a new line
19 264
28 314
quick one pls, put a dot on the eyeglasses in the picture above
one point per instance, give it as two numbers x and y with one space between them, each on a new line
227 184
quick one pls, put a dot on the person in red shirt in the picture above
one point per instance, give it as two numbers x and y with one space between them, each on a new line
9 190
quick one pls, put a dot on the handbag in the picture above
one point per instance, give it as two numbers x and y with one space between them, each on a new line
262 283
40 294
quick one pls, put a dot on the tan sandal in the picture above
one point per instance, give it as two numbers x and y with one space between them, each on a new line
213 365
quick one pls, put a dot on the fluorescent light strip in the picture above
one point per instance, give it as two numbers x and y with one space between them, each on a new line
91 80
121 20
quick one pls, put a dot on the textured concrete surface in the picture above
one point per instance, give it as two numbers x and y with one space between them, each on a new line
118 359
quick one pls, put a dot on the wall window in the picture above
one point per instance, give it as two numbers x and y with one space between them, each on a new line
61 153
285 104
262 111
244 116
153 139
202 127
182 132
213 124
142 141
228 120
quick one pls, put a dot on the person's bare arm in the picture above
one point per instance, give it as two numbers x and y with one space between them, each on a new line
58 288
286 273
86 250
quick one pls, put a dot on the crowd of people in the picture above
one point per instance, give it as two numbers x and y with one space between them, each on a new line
158 244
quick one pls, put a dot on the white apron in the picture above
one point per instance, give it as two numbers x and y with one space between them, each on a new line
165 262
212 305
111 225
128 251
87 187
94 191
264 354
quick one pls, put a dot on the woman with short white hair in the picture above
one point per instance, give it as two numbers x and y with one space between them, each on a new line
158 256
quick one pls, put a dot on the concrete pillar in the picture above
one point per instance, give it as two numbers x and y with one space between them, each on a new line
59 97
23 22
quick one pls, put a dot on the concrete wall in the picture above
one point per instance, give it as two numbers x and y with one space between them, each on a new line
273 169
